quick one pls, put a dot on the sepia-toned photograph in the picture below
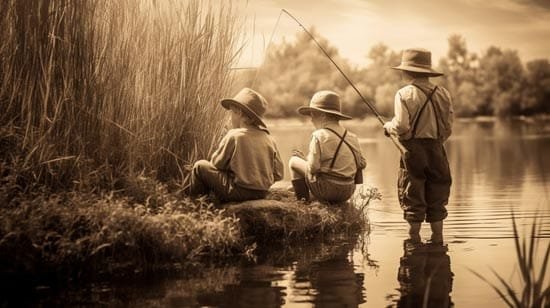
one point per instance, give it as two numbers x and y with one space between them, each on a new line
275 153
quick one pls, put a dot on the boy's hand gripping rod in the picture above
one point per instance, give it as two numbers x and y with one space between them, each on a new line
393 138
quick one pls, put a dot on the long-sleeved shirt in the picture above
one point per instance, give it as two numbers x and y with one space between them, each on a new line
323 146
407 104
252 156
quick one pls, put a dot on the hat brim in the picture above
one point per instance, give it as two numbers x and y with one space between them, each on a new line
305 110
426 71
228 102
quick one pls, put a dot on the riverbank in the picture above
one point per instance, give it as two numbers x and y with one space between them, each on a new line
147 229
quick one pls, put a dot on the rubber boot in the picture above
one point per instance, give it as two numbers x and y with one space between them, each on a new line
437 232
300 189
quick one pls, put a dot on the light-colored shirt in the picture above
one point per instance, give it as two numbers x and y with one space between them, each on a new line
252 156
323 146
407 104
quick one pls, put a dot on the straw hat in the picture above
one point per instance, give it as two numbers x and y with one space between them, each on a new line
250 102
325 101
417 60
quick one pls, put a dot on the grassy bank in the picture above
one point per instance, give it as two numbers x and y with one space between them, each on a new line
74 235
54 237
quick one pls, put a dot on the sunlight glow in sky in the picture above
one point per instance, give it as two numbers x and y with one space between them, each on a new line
354 26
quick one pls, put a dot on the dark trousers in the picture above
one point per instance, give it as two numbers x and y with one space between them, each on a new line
424 181
205 178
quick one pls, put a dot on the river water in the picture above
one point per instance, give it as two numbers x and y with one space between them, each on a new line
497 167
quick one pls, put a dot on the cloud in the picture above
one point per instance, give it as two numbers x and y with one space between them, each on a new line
544 4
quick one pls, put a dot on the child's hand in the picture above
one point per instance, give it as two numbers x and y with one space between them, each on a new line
298 153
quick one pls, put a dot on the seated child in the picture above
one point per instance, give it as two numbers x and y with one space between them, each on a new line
334 163
247 161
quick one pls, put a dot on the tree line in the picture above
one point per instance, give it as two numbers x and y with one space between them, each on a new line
494 82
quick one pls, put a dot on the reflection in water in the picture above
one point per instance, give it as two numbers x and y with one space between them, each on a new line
320 276
333 280
254 289
425 275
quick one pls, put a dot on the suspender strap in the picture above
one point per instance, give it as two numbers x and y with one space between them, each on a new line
428 99
342 140
338 147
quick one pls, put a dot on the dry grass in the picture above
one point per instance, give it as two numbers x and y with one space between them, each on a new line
98 90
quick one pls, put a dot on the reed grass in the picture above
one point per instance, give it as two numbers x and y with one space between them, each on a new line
535 288
99 90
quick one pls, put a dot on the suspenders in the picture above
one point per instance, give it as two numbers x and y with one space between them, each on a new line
428 99
342 140
338 147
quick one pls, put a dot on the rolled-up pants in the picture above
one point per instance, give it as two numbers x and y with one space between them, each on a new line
424 181
331 190
205 177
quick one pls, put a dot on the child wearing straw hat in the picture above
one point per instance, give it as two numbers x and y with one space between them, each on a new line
422 121
247 162
334 163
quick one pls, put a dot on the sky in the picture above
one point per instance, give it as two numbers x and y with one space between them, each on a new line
354 26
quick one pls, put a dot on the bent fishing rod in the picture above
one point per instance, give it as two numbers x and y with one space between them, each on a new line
393 138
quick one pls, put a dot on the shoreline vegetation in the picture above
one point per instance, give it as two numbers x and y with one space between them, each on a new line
147 230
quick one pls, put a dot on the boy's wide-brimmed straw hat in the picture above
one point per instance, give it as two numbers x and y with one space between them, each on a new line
325 101
250 102
417 60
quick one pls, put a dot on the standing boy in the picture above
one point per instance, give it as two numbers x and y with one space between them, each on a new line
247 161
422 121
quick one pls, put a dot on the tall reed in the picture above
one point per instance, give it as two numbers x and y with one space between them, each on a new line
119 86
535 288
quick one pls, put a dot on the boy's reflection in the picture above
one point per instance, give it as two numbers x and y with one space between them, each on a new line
324 276
425 274
334 282
257 287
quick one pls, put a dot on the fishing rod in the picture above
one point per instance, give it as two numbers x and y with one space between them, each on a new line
393 138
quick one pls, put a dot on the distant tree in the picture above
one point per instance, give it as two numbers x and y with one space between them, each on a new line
379 80
461 76
502 78
293 71
536 98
